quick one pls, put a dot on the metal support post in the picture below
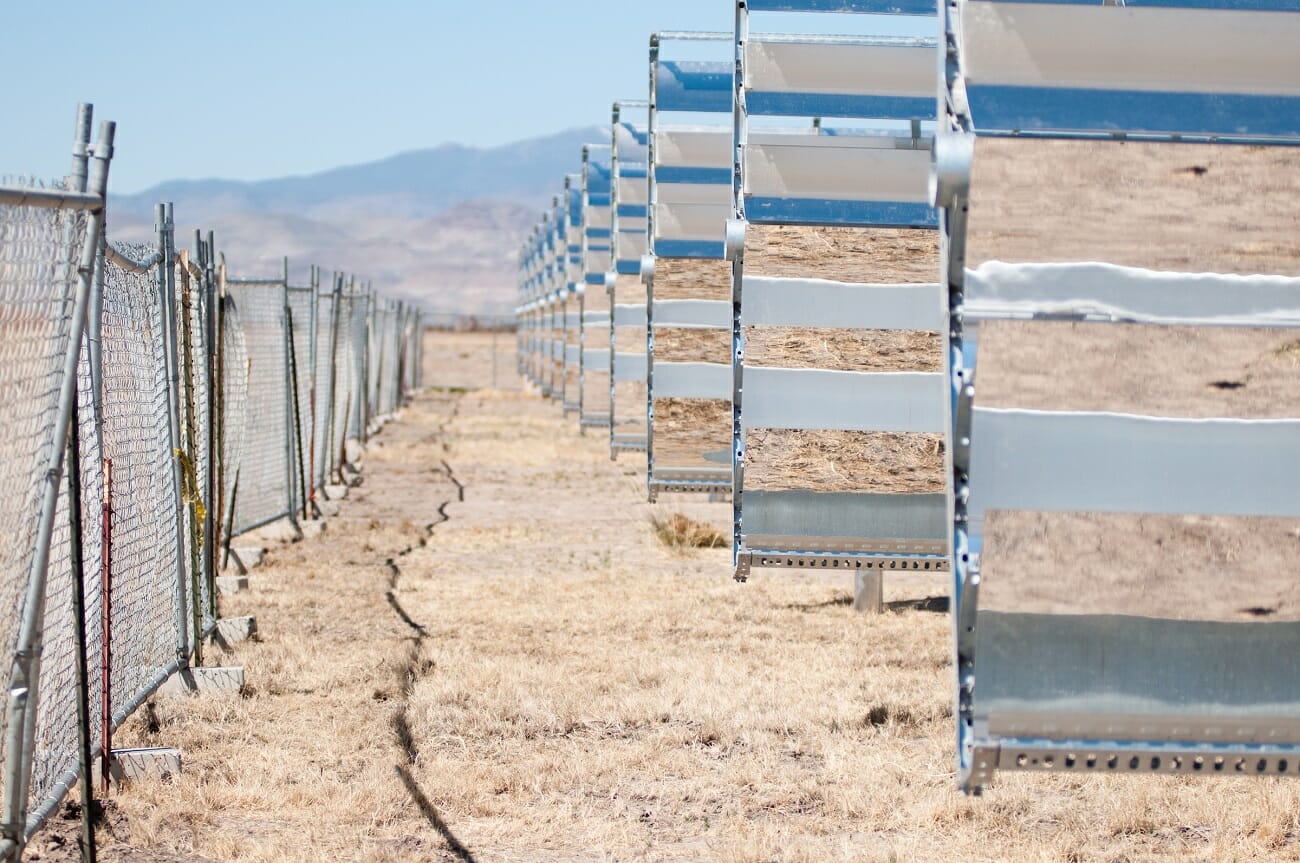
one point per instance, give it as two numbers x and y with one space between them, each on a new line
23 695
210 319
167 299
286 326
330 402
314 328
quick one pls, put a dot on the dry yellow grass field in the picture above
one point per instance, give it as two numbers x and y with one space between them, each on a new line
530 674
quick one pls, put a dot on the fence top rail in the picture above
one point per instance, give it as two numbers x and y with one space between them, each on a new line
270 283
122 258
48 199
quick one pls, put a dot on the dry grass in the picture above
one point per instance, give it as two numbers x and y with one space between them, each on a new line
844 349
692 279
677 345
543 680
872 255
682 533
884 462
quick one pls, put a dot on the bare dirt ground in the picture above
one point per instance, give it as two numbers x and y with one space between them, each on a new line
488 656
882 462
843 254
1216 209
839 349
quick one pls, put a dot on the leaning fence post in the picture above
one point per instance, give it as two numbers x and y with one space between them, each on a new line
82 673
188 299
106 610
209 307
166 299
288 395
327 455
295 428
314 329
24 685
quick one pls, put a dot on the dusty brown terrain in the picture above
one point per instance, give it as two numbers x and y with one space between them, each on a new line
595 298
1158 371
692 346
629 407
1189 208
843 460
842 254
843 350
691 279
686 429
883 462
1193 567
1171 566
537 678
628 289
470 360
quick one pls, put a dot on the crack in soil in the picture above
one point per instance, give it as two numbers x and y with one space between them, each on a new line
414 668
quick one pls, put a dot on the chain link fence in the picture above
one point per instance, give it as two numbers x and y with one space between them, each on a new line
39 251
150 410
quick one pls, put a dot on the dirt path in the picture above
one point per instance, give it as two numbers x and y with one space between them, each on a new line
310 763
526 674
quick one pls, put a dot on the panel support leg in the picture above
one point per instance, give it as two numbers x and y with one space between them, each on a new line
869 591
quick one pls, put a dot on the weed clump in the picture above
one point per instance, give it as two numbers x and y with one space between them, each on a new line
680 533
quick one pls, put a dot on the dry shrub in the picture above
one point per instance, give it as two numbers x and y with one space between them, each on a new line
680 533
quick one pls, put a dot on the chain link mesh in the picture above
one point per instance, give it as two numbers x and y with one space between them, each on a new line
301 305
234 379
263 493
324 388
146 548
55 750
349 382
352 361
39 250
196 422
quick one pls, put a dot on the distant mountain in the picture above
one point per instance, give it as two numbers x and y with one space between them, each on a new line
417 185
439 227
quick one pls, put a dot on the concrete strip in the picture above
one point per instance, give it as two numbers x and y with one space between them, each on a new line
145 764
229 584
190 681
232 630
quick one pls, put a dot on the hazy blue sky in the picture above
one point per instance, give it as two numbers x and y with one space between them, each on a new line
247 90
251 89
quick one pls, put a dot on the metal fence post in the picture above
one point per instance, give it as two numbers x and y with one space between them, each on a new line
335 316
210 322
314 329
166 297
24 684
291 497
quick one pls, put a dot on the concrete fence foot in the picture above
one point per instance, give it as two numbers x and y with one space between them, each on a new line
869 591
230 584
192 681
232 630
145 764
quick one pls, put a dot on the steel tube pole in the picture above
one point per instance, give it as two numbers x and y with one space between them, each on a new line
82 672
24 683
314 328
167 298
290 496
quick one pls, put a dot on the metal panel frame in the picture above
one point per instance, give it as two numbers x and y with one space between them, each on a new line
1126 738
820 399
628 221
687 380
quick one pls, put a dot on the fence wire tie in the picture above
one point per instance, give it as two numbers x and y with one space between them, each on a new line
189 489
